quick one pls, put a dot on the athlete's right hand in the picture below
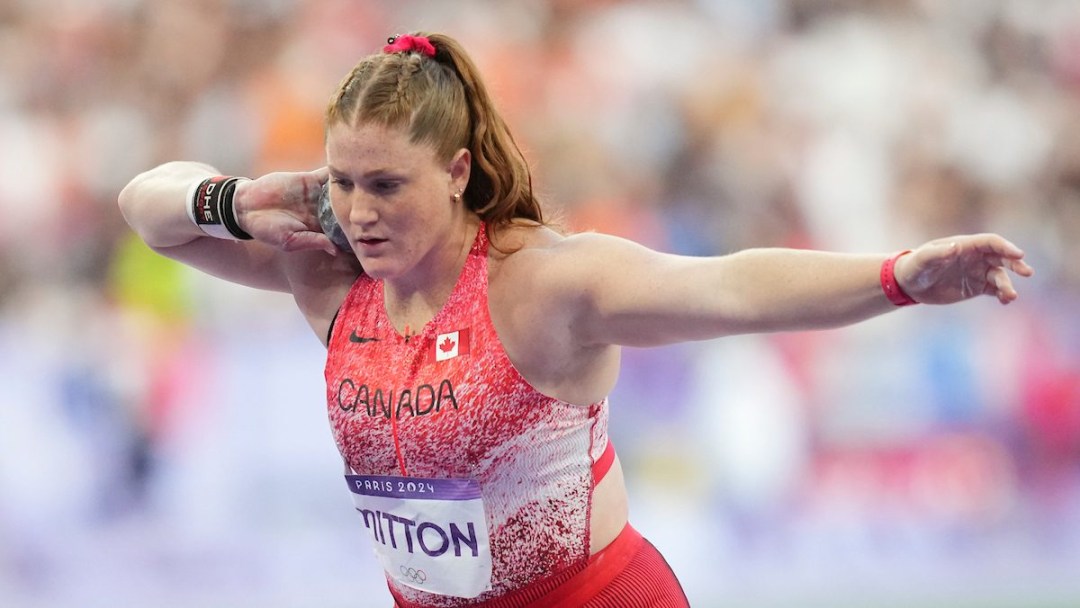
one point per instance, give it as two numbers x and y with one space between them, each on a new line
281 210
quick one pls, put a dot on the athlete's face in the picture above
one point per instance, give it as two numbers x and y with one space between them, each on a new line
394 199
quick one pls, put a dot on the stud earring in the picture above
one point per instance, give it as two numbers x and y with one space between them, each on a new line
457 196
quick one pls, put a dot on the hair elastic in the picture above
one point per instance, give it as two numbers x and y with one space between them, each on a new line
408 43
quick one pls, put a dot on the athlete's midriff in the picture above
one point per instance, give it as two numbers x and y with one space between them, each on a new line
447 403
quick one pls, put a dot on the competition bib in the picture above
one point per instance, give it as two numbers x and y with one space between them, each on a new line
430 534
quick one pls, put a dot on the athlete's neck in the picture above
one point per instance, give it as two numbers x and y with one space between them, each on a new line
413 300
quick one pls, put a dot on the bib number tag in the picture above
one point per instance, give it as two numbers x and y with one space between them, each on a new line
430 534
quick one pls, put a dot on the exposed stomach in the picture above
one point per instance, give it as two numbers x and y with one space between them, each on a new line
609 508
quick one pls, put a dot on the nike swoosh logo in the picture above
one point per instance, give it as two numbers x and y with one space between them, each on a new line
360 339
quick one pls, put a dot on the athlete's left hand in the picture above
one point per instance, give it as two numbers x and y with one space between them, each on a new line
280 209
959 268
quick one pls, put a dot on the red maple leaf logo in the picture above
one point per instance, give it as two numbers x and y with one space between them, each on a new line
447 345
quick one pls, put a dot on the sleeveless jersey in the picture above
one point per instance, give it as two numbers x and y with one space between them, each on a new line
448 403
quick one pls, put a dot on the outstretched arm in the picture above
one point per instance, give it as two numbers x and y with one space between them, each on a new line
630 295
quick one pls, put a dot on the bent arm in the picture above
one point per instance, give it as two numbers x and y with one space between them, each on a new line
630 295
277 209
155 203
288 253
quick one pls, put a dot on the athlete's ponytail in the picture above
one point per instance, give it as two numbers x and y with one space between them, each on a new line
501 186
440 99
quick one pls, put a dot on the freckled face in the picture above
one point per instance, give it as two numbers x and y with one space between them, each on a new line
391 197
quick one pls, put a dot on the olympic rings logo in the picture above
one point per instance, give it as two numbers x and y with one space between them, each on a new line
413 574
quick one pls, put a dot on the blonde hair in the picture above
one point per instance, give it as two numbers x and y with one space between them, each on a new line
442 101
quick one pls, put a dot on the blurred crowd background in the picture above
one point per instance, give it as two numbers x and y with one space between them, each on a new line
163 438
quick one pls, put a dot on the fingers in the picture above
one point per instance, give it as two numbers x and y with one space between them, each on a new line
1004 256
1000 284
301 241
997 244
965 266
1020 267
1008 249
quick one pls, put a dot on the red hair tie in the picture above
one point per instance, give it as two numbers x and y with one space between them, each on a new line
406 43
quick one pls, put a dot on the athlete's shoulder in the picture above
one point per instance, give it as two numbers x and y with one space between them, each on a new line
522 240
520 235
551 263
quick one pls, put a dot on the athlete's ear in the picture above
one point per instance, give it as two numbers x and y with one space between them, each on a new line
460 165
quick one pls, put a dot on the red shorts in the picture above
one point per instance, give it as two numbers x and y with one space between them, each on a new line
628 573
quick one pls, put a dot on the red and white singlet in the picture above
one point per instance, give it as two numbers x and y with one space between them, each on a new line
470 482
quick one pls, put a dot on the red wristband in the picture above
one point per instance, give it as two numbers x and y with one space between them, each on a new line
889 285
